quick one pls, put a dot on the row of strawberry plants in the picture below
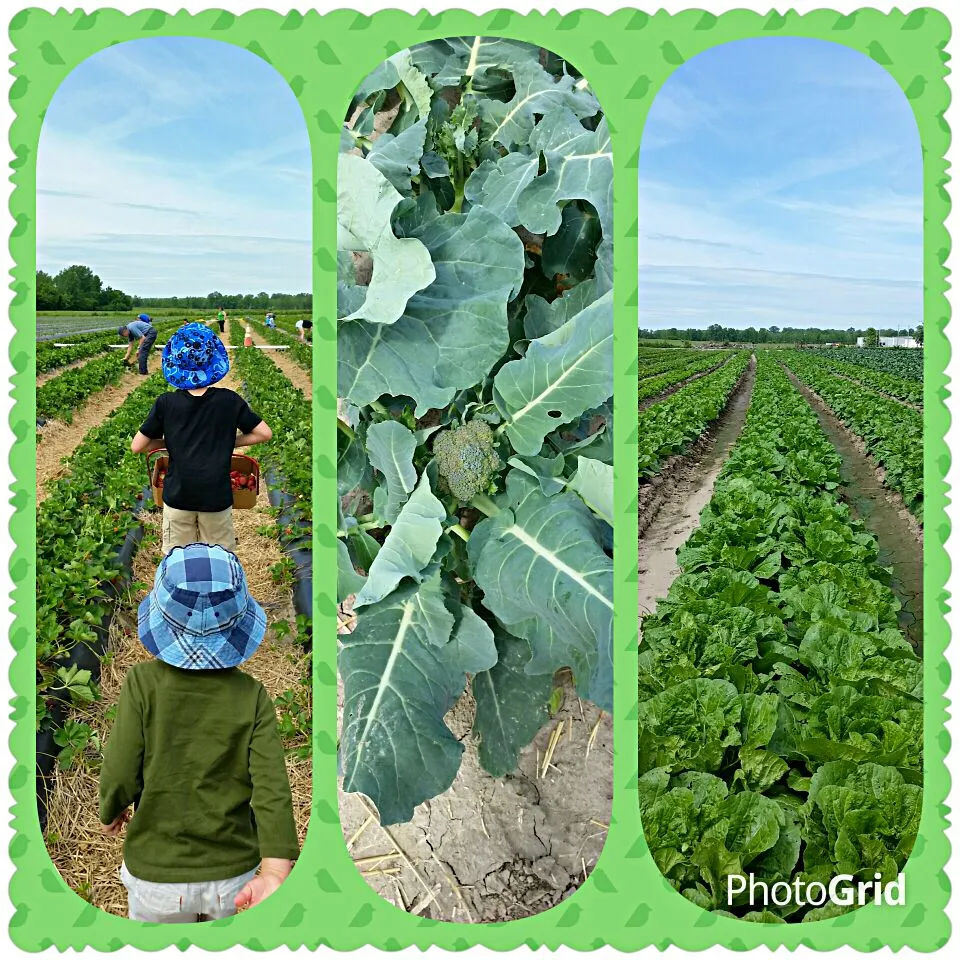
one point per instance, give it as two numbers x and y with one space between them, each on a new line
49 357
299 351
287 462
60 396
892 432
81 526
667 427
651 386
901 388
780 720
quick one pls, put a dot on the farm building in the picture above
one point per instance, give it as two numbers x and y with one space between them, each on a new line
907 342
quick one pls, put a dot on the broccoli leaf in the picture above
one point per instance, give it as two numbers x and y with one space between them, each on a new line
409 546
511 705
403 667
545 576
562 375
451 329
401 267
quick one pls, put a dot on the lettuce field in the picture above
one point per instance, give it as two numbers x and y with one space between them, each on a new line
780 677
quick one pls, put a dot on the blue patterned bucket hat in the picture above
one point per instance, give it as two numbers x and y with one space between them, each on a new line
200 615
194 356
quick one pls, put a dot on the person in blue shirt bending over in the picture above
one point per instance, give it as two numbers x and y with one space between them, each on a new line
143 330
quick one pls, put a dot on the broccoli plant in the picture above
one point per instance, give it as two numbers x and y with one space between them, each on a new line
475 479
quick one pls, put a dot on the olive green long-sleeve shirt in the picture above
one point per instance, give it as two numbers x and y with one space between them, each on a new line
199 753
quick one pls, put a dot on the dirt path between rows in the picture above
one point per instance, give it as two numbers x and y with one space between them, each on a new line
57 440
90 862
670 391
882 510
671 502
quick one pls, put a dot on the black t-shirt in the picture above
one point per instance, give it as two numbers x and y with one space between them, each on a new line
199 433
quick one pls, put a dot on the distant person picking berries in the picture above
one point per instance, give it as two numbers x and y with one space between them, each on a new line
142 330
200 426
302 327
222 319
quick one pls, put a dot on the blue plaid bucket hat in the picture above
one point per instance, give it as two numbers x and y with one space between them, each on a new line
194 356
200 615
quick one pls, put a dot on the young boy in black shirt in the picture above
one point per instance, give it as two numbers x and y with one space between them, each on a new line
200 426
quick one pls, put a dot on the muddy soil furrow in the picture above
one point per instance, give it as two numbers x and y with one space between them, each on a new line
670 509
882 510
670 391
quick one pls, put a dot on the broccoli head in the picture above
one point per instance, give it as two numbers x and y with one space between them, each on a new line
466 458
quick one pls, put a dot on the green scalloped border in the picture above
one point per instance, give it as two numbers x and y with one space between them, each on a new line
626 56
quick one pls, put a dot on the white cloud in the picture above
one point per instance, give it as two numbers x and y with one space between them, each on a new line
151 228
846 265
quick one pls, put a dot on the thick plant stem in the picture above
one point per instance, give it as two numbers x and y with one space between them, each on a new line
379 407
345 428
464 535
485 505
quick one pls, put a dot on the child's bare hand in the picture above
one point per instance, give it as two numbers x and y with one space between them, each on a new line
113 829
272 873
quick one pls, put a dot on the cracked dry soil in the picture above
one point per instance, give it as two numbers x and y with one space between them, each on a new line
495 849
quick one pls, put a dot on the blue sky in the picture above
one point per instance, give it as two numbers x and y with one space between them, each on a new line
780 184
176 166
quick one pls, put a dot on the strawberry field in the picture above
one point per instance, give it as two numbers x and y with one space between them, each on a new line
780 666
97 552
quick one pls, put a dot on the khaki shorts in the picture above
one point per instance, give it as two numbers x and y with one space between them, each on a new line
183 527
182 902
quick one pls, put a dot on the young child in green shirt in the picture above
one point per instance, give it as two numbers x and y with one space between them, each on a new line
195 749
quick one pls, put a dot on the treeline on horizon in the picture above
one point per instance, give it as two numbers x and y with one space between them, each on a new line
774 334
78 288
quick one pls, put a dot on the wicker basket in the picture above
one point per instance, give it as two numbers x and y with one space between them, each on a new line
158 462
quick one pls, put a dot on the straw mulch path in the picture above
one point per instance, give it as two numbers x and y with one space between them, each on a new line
57 440
90 862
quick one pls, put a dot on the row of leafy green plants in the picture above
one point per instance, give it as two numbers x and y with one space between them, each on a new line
86 534
475 369
667 427
287 465
62 395
652 385
84 345
892 432
902 388
896 361
653 362
299 351
780 720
